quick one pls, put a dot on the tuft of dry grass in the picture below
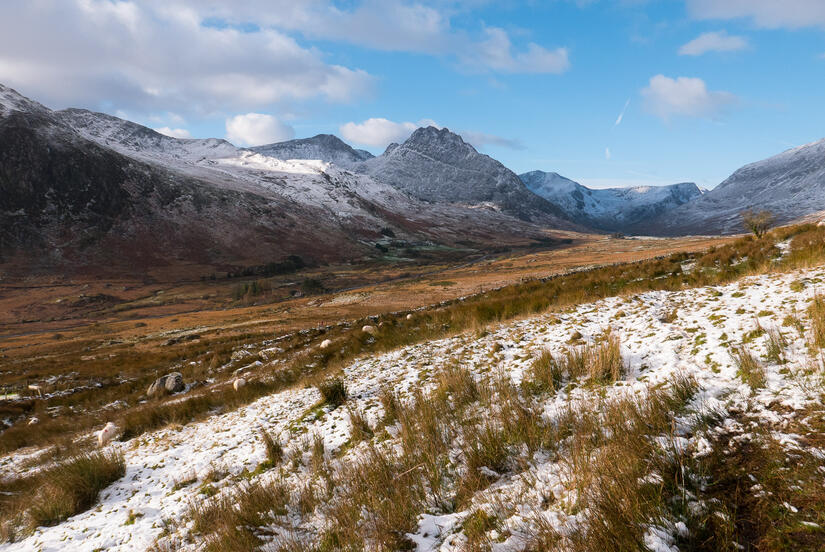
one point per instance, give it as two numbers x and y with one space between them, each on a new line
748 367
816 312
274 449
361 430
333 391
73 486
545 374
775 346
229 521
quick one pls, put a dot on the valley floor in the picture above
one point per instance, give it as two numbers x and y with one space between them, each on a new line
709 379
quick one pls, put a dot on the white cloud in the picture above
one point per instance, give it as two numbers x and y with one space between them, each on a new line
607 153
713 42
174 132
792 14
683 96
380 132
255 129
377 132
480 140
150 57
422 26
496 53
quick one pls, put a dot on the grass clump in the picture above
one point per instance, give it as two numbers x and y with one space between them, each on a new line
816 312
229 521
274 449
545 374
73 486
333 391
775 347
748 367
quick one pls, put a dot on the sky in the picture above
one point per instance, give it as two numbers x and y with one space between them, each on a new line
606 92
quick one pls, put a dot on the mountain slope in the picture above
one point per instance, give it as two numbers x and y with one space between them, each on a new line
325 147
436 165
613 209
791 185
87 191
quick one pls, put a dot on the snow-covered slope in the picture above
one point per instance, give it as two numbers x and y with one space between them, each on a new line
610 208
89 189
325 147
791 185
167 470
134 139
437 165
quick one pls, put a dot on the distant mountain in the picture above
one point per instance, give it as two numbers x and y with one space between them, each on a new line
85 191
325 147
791 185
612 209
437 165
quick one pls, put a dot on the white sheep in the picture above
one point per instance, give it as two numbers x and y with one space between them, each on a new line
821 223
369 329
106 434
325 344
238 383
409 317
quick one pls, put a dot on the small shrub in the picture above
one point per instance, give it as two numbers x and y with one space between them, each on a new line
333 391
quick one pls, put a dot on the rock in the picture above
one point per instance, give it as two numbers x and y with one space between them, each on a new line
325 344
238 383
34 420
369 329
409 317
166 385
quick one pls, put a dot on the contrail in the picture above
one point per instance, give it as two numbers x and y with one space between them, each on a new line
621 115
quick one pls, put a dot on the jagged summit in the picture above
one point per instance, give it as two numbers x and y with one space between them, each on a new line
325 147
609 209
437 165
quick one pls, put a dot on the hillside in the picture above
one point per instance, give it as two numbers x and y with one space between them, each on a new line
88 192
623 421
791 185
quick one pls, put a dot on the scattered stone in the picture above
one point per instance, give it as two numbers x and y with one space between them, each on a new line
166 385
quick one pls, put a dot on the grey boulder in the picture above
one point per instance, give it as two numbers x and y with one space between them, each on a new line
166 385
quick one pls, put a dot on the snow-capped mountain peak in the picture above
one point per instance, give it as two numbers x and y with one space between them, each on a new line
610 208
324 147
11 100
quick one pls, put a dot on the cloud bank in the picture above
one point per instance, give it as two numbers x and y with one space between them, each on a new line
255 129
683 96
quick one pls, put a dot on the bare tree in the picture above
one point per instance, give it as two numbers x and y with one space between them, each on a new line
757 222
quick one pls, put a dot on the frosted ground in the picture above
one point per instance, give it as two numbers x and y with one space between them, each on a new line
664 335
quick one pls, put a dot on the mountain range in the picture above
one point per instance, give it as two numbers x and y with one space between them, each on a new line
87 191
80 189
612 209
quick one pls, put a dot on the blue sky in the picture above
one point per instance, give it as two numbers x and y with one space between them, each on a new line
704 86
